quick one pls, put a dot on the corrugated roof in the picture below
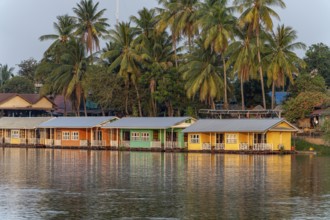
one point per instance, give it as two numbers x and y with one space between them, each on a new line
22 123
233 125
146 122
76 122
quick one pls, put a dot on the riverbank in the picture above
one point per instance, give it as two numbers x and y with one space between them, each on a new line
304 146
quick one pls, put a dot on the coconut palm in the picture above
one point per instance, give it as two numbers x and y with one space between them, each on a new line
64 28
180 16
201 73
91 25
126 57
258 13
67 77
243 59
217 23
280 58
5 73
158 48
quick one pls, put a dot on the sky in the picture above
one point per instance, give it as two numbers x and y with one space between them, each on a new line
22 22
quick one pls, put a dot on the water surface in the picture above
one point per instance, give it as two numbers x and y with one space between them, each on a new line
74 184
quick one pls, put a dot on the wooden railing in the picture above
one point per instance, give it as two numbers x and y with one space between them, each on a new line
125 144
171 144
83 143
156 144
219 146
49 142
262 146
243 146
206 146
113 143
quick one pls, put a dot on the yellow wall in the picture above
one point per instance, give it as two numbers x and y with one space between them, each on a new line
283 125
43 103
279 137
15 102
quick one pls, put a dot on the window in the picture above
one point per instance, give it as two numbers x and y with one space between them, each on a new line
259 138
14 133
231 138
66 135
194 138
135 136
75 135
145 136
219 138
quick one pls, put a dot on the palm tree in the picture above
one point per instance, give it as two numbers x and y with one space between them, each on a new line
158 48
243 60
67 77
91 25
64 29
280 58
257 13
5 73
180 16
217 25
125 57
201 73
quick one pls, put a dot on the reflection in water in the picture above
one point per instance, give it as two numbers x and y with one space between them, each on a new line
46 183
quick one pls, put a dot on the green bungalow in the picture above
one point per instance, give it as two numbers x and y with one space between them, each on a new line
148 132
21 131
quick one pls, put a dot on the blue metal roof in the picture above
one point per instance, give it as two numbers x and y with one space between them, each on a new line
22 122
147 122
234 125
76 122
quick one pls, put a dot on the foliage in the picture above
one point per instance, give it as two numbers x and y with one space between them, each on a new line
302 145
307 83
302 105
28 68
317 58
178 58
18 84
90 24
326 130
5 73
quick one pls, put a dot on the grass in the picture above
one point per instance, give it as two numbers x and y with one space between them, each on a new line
302 145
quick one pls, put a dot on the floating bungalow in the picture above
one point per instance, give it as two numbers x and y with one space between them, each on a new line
148 133
80 132
21 131
240 135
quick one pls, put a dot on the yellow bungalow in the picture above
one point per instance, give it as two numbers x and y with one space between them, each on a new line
25 105
240 135
21 131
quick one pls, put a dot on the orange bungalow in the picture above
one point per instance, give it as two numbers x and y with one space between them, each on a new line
80 132
253 135
21 131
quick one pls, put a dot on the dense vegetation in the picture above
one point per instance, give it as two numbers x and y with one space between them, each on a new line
177 58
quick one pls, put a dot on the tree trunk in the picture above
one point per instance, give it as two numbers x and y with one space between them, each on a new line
261 74
212 104
85 107
126 98
273 95
242 92
225 102
65 111
138 99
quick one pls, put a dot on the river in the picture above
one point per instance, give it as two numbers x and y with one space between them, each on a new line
81 184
